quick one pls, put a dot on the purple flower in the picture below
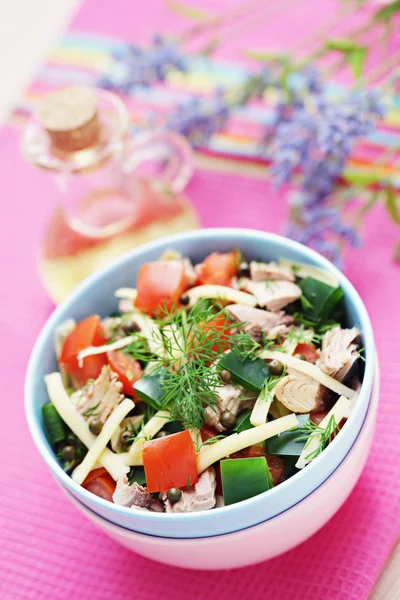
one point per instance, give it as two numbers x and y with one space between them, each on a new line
314 136
198 119
133 66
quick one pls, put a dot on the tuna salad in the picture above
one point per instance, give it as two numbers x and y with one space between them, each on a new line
210 384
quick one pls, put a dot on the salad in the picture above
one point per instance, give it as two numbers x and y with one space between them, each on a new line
211 384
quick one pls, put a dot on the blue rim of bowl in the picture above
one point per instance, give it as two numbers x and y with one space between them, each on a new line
304 252
376 385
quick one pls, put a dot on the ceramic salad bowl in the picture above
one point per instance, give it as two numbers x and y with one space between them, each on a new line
260 542
95 295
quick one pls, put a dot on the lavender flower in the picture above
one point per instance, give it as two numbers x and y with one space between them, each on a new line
133 66
198 119
314 137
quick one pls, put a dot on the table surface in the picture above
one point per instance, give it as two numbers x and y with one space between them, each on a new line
49 19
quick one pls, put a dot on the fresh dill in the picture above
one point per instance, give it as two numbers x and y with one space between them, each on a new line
361 353
90 412
310 431
196 340
139 350
210 441
305 303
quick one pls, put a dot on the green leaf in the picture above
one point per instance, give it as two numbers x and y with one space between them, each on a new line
392 205
341 45
263 56
363 178
188 11
386 13
356 60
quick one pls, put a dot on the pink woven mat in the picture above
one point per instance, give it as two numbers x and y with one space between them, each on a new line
47 549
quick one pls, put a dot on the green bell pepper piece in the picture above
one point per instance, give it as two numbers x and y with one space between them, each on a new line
54 426
251 374
149 388
243 478
285 443
322 298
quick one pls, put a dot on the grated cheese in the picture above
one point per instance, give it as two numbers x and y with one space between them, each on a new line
126 293
237 441
220 292
113 463
93 350
151 429
101 441
311 370
340 410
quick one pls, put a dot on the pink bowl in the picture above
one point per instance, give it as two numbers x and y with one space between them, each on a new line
260 542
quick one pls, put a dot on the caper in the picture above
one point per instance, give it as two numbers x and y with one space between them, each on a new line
225 376
162 433
184 299
244 269
299 356
95 426
227 419
68 453
275 367
130 327
125 437
174 495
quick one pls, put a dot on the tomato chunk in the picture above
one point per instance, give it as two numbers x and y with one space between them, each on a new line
127 368
160 284
218 268
170 462
309 352
86 333
100 483
207 432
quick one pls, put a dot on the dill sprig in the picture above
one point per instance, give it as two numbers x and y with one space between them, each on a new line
310 431
139 349
195 341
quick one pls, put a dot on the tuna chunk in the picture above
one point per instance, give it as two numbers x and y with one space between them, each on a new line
274 295
260 271
135 496
301 394
228 400
339 352
99 398
258 321
200 497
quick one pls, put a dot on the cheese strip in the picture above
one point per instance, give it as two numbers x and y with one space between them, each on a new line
110 425
311 370
303 270
237 441
92 350
126 293
151 429
113 463
261 408
61 332
341 410
220 292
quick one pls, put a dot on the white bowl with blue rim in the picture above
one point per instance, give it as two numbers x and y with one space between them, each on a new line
96 295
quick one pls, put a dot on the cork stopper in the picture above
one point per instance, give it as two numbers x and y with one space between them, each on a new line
70 118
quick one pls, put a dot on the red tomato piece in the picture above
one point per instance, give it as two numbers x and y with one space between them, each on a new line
100 483
218 268
127 368
207 433
317 417
309 352
170 462
160 284
86 333
276 468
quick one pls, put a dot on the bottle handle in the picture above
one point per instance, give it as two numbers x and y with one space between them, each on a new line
161 155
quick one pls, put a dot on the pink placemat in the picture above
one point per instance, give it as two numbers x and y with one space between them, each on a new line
47 549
